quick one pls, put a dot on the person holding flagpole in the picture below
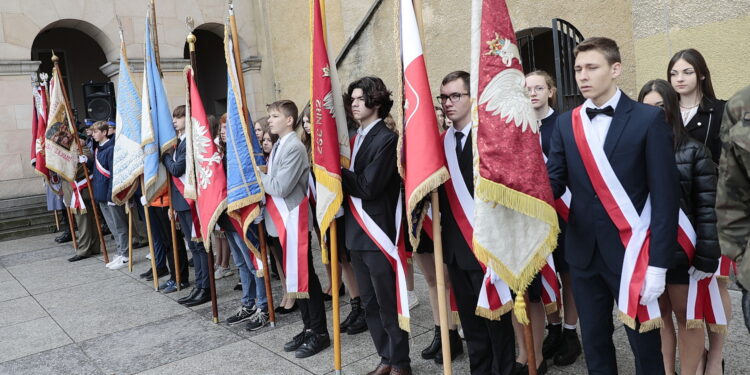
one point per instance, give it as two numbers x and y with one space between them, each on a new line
616 157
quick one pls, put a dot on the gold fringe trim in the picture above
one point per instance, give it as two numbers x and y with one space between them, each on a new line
718 328
245 225
332 182
403 322
130 183
529 206
420 192
244 202
651 325
212 223
626 320
722 277
550 308
456 318
298 295
695 324
493 314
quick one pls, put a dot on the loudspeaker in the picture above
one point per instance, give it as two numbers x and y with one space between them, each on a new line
99 100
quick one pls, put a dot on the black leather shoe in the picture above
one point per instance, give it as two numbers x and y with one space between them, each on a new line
553 341
189 296
570 348
457 347
64 237
76 258
296 341
359 324
314 344
203 296
435 346
283 310
160 272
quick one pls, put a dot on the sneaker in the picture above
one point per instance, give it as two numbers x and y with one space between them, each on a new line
257 321
227 272
169 286
122 264
148 256
243 314
222 272
413 300
114 261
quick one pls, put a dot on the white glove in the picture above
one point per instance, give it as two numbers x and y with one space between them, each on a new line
82 159
698 275
111 204
653 285
258 219
144 202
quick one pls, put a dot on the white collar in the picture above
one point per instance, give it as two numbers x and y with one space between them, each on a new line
465 130
103 143
363 131
549 113
182 137
611 102
284 138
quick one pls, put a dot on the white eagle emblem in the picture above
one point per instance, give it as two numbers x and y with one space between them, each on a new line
506 96
328 104
505 48
201 142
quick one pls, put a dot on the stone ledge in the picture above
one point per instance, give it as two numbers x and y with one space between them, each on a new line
18 67
112 68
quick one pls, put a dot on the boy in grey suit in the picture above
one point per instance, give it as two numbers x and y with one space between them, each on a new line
287 178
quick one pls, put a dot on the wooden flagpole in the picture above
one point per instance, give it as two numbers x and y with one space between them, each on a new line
71 121
266 275
72 225
57 221
146 215
130 238
335 297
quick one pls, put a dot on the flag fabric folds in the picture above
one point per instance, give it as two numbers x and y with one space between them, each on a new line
422 157
206 181
515 221
128 154
157 131
244 155
60 147
330 150
38 128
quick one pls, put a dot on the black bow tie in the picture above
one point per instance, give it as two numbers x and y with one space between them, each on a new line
592 112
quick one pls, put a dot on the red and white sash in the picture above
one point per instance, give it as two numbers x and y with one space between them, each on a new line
395 253
292 227
494 297
726 264
704 300
76 198
99 166
633 228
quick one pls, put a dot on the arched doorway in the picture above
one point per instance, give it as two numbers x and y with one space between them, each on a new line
80 59
211 67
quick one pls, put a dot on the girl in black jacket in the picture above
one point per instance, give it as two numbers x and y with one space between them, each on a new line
698 197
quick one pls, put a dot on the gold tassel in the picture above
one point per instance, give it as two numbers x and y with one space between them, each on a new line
403 323
520 310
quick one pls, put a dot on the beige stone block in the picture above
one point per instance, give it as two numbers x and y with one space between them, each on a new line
172 34
19 30
12 167
7 112
210 11
130 8
12 6
23 114
99 12
15 141
71 9
15 90
21 187
41 12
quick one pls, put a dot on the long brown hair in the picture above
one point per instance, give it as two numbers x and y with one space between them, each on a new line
671 106
696 60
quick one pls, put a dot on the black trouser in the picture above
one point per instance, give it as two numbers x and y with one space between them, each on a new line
159 220
594 290
313 309
490 343
377 289
200 257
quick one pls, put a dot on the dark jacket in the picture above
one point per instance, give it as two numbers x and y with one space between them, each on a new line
698 198
176 167
376 181
705 125
639 148
102 184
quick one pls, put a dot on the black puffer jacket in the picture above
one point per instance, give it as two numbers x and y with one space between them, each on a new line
698 178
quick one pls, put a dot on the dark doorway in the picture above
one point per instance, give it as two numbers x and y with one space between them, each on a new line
537 53
80 59
210 71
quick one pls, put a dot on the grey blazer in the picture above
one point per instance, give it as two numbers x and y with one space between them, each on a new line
287 178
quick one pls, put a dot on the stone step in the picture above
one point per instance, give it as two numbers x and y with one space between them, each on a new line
29 231
27 221
25 211
11 203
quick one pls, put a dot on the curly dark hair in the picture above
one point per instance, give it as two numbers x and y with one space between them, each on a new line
375 92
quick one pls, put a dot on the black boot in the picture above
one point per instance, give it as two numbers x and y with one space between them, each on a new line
570 348
457 347
64 237
435 346
356 310
551 343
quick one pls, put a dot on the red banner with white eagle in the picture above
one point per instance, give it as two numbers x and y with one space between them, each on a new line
422 158
515 221
206 181
38 128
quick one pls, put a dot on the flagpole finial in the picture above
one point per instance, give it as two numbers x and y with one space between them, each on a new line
191 38
55 59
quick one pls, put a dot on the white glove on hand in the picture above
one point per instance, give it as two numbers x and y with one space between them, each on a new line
82 159
258 219
698 275
144 202
653 285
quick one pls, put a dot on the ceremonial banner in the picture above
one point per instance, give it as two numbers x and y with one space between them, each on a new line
38 128
206 181
60 147
515 221
422 157
244 155
157 131
127 166
330 145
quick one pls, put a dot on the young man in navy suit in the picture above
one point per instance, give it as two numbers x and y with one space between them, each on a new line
630 144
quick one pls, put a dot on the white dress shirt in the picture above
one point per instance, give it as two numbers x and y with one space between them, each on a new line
466 131
361 134
600 123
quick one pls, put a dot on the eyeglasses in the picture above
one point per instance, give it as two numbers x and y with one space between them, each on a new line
537 89
455 97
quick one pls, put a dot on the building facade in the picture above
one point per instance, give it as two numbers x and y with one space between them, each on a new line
275 45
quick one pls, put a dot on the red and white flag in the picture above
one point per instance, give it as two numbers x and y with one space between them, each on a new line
516 225
206 181
38 128
422 161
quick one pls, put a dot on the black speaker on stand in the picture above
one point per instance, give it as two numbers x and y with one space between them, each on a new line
99 100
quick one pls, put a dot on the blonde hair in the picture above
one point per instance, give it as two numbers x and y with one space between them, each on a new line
552 100
101 126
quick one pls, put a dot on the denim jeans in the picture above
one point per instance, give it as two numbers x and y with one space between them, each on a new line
253 287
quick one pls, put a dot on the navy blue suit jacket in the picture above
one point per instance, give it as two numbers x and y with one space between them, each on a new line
639 148
176 168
